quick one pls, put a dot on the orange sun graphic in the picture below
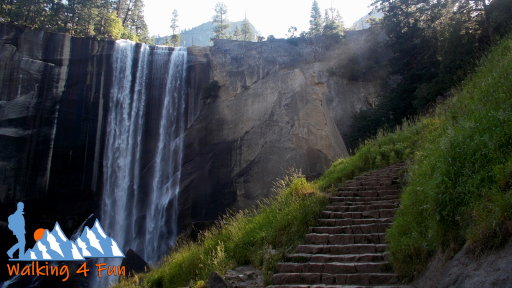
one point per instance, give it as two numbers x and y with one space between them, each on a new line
38 234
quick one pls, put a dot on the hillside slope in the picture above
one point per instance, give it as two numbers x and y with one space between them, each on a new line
460 183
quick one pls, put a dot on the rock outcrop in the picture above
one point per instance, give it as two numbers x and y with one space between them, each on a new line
492 269
269 107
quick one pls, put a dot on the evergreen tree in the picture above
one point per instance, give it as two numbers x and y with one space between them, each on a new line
315 21
174 21
333 23
237 34
82 18
291 31
135 22
220 21
112 28
247 33
174 40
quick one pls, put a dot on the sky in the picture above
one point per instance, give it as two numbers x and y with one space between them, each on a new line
270 17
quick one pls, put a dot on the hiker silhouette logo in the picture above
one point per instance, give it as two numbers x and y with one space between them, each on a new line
53 245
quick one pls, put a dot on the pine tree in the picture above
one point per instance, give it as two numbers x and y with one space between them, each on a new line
333 23
237 35
247 33
291 31
315 21
220 21
174 21
174 39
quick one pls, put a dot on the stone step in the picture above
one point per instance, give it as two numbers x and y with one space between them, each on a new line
395 202
347 248
375 177
367 185
366 188
338 199
349 221
341 249
382 213
333 268
375 193
336 279
352 229
360 208
324 258
344 239
332 286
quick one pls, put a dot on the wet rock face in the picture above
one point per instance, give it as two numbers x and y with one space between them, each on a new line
33 72
52 91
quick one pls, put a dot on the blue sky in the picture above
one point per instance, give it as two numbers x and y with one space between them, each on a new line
268 16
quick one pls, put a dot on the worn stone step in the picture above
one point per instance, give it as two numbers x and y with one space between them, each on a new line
333 286
341 249
386 179
352 229
366 188
344 239
360 208
347 249
382 213
374 193
333 267
338 199
395 202
336 279
324 258
349 221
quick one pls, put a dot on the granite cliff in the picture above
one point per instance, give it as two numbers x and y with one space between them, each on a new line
253 111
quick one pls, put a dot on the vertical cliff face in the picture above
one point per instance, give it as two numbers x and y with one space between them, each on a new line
269 107
52 106
33 72
252 111
53 92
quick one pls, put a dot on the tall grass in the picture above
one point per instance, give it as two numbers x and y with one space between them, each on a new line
384 150
458 189
260 237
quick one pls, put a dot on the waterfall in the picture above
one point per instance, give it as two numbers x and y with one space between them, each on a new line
144 148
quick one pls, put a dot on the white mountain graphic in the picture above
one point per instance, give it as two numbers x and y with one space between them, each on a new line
94 243
54 245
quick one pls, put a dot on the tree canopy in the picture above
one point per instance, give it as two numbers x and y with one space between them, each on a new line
434 45
220 21
103 19
315 20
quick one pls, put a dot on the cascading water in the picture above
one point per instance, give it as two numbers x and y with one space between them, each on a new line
144 148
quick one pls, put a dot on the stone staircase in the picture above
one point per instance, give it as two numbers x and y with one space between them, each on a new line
347 249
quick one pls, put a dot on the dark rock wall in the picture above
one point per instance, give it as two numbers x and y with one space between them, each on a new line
52 117
52 109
